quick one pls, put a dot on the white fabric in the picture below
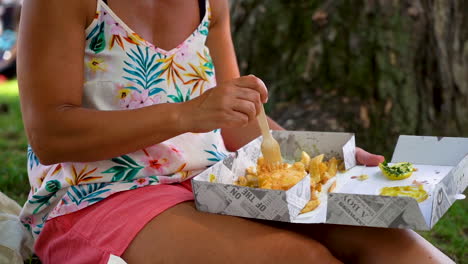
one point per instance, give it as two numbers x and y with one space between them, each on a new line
113 259
16 242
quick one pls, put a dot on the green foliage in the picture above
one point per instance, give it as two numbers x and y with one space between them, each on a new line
217 155
87 193
126 170
98 41
142 69
52 187
32 158
179 98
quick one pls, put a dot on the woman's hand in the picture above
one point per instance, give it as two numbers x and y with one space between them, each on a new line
234 103
365 158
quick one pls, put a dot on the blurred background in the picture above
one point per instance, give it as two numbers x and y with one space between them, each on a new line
9 13
378 68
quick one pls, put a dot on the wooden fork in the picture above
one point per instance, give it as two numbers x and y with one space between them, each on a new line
270 148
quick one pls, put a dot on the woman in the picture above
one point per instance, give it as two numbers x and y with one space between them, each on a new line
108 111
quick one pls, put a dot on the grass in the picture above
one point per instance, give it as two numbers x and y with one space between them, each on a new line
450 233
13 144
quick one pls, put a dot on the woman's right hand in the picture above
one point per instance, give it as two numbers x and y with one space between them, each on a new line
234 103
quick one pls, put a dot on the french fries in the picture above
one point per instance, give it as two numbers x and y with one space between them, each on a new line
277 177
310 206
332 187
320 173
284 176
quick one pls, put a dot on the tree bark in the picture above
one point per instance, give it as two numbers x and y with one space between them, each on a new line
378 68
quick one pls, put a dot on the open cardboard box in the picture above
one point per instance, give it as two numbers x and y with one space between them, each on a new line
442 165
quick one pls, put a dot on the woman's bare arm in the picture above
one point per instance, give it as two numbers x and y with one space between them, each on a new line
224 57
50 75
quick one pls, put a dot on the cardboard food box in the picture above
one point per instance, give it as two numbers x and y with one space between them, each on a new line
215 191
442 169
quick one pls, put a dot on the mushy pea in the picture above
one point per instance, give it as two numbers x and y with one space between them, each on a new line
397 171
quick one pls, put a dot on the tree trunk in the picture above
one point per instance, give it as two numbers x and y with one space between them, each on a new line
378 68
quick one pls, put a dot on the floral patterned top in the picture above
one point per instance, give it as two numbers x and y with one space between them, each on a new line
124 71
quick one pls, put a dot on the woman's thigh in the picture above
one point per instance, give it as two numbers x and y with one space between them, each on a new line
183 234
356 244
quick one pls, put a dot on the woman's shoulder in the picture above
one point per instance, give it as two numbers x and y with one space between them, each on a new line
219 10
81 10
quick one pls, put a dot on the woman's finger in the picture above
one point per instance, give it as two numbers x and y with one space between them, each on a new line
237 119
250 95
245 107
365 158
252 82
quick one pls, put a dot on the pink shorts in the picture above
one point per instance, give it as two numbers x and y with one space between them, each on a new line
108 227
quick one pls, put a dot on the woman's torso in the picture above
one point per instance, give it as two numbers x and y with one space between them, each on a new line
122 71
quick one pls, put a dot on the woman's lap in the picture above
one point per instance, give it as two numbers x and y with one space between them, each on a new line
183 234
359 244
171 232
166 227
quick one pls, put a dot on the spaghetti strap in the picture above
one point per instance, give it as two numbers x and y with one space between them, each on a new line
202 8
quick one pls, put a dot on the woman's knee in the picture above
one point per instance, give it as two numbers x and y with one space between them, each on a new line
293 248
399 245
393 238
314 252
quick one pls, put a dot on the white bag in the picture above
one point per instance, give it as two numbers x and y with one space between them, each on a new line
16 242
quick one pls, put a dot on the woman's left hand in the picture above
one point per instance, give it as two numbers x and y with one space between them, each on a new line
365 158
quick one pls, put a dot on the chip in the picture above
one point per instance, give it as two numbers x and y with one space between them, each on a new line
310 206
284 176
